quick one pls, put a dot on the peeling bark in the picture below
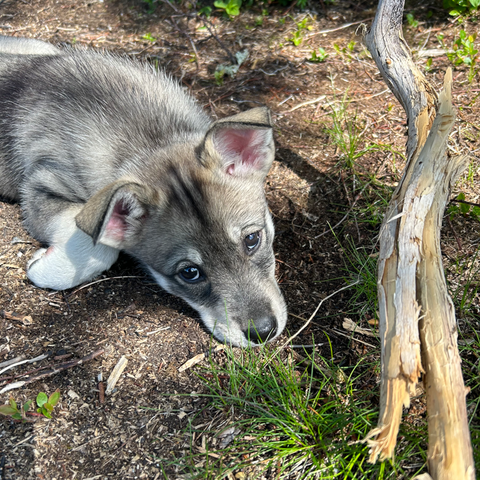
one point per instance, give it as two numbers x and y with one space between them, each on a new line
417 318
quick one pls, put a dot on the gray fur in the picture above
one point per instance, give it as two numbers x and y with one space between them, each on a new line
105 155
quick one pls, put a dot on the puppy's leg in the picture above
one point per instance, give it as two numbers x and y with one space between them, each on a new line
71 257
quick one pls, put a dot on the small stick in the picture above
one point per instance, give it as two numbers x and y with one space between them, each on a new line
197 359
53 370
115 375
13 360
232 59
101 280
189 38
312 316
31 360
101 388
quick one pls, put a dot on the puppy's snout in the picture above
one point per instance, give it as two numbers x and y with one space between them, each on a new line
262 330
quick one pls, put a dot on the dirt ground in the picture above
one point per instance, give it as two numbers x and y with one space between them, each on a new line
124 313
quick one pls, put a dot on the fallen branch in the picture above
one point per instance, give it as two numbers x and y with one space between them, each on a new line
417 320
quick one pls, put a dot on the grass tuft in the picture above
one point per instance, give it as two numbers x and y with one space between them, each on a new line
287 416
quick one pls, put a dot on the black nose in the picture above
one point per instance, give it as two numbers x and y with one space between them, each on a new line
262 330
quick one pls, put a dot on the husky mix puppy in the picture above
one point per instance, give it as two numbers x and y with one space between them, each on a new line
105 154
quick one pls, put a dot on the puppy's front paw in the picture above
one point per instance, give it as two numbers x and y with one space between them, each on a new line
35 257
45 270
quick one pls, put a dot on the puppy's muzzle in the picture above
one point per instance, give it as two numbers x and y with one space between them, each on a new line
262 330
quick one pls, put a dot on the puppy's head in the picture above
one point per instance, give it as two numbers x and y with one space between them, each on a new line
203 229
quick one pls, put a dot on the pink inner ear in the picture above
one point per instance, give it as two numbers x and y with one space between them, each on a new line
242 149
117 225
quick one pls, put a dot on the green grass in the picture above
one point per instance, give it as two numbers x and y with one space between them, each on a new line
464 286
469 345
292 419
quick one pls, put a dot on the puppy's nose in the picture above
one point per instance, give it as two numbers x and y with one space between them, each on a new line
262 330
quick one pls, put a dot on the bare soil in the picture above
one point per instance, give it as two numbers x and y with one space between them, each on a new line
309 189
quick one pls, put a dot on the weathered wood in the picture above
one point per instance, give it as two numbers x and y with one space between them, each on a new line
411 284
450 453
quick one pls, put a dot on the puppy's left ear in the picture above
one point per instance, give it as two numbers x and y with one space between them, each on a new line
241 145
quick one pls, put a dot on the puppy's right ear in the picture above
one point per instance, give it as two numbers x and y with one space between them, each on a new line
115 215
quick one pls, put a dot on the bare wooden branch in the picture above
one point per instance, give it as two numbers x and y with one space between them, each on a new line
417 319
391 54
450 453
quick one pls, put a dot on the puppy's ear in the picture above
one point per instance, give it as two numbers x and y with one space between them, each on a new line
115 215
241 145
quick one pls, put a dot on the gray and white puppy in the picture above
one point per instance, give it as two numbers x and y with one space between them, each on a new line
105 154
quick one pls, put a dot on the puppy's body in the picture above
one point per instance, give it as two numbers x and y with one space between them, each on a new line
107 155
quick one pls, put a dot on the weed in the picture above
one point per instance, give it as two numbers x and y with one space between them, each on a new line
149 38
464 287
345 52
428 64
231 8
469 346
231 70
297 36
411 20
345 132
460 7
463 208
206 11
463 53
319 57
45 406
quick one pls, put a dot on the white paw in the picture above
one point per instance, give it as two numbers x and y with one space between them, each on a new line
36 256
47 270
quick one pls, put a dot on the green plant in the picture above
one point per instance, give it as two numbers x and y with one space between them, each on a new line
231 8
345 52
351 46
149 37
463 208
297 35
360 270
469 346
207 11
460 7
428 64
231 70
319 57
45 406
345 132
463 52
463 285
411 20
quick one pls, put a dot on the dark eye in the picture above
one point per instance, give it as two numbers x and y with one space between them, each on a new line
191 274
251 241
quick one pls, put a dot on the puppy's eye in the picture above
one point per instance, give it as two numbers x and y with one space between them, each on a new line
252 241
191 274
